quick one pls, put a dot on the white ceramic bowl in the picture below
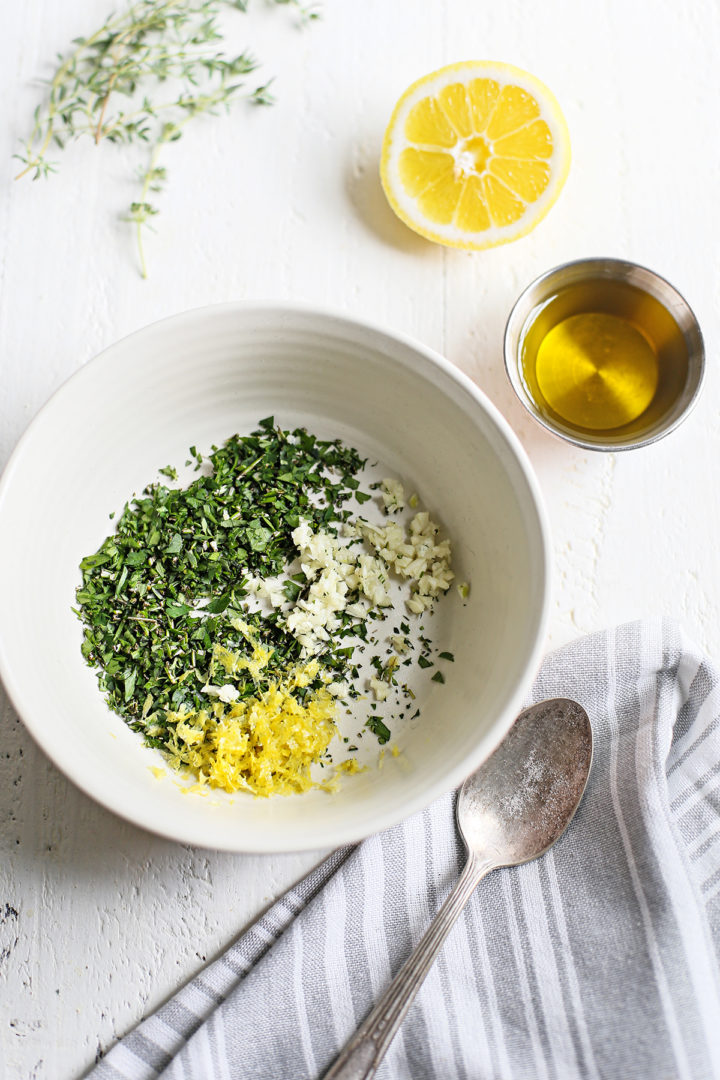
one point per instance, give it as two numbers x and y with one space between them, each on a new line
197 378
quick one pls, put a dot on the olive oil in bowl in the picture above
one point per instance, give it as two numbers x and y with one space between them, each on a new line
603 356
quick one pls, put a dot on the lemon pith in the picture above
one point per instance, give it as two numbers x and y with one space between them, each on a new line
475 154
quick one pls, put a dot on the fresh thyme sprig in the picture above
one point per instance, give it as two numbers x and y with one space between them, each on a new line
153 44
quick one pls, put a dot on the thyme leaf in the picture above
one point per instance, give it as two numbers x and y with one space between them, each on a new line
140 79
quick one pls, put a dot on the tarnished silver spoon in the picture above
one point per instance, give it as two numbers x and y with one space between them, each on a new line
509 812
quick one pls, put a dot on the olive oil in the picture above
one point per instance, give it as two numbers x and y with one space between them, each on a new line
603 357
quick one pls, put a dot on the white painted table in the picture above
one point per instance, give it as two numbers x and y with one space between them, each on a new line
99 922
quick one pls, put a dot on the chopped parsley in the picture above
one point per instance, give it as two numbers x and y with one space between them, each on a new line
379 729
163 589
166 595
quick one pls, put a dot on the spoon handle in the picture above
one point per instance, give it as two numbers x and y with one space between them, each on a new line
368 1046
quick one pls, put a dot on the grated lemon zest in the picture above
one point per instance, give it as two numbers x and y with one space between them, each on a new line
351 766
265 744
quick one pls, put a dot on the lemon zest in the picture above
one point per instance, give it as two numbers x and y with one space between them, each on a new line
265 744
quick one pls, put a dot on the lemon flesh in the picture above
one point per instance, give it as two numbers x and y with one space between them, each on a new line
475 154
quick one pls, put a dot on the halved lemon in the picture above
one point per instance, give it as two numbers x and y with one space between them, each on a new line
475 154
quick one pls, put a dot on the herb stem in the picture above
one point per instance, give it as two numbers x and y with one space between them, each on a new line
52 110
101 118
150 42
140 222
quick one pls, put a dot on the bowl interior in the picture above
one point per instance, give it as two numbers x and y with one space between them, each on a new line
197 379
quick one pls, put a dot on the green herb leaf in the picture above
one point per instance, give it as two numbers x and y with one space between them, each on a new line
219 604
258 537
175 611
129 684
292 590
175 545
379 729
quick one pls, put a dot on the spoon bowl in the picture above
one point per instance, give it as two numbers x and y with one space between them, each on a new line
516 805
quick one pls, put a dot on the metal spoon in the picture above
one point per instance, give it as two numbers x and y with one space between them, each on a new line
509 812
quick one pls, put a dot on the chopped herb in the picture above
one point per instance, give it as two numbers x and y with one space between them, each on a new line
165 601
292 590
379 729
447 656
177 610
257 536
163 589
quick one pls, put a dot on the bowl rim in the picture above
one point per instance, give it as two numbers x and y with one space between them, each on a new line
447 780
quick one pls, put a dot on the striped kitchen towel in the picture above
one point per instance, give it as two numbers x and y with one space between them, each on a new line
598 960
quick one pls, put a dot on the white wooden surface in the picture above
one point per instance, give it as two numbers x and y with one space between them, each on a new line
99 922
